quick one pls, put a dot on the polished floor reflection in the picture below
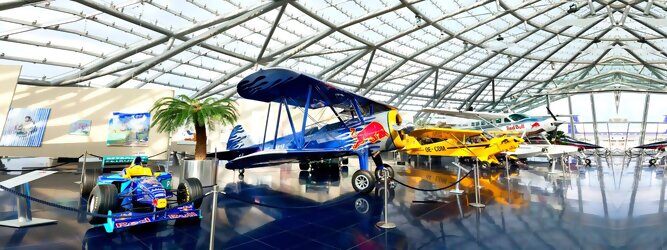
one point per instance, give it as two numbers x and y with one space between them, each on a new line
614 204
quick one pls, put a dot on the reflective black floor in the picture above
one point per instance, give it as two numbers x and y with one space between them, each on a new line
613 204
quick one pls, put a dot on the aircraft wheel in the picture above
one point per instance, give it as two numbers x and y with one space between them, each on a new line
652 162
587 162
344 171
379 175
379 192
363 181
362 205
304 166
241 172
303 177
103 198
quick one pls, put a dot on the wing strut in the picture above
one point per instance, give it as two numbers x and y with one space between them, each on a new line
358 110
275 136
291 123
328 103
302 143
266 126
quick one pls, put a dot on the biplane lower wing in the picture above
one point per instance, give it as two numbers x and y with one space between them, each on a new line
655 145
233 154
274 157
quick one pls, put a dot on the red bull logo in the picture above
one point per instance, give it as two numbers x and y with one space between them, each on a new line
515 127
372 133
535 125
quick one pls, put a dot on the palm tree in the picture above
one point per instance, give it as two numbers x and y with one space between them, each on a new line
172 113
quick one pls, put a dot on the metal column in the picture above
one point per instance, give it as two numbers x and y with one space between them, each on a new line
644 118
595 121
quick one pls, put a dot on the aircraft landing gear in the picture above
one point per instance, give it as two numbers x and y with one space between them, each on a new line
304 166
652 162
379 174
363 181
587 162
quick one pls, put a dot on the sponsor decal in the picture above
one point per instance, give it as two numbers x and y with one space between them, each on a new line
183 215
373 132
132 223
515 127
535 125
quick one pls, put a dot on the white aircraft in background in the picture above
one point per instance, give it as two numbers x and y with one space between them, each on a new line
517 124
529 127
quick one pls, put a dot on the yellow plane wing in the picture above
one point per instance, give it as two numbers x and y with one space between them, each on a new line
444 133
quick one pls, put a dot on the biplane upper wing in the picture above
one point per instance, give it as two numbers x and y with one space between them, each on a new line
276 84
444 133
466 114
281 156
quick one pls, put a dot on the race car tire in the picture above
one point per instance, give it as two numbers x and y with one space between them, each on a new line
88 181
103 198
190 190
379 175
363 181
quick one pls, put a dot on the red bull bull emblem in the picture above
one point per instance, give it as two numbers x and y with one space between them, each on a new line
535 125
372 133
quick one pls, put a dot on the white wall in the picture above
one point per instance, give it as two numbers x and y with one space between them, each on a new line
9 75
69 104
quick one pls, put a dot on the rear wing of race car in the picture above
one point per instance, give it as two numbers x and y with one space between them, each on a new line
122 161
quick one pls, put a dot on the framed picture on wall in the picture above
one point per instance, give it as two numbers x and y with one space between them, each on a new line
80 127
25 127
129 129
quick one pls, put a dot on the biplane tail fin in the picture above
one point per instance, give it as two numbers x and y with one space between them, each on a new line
238 139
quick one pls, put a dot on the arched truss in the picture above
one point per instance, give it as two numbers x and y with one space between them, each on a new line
484 55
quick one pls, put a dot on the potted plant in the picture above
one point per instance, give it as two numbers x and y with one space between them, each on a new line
173 113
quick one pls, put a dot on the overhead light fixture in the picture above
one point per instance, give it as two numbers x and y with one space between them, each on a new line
573 9
500 38
442 32
552 65
597 40
642 40
419 18
465 45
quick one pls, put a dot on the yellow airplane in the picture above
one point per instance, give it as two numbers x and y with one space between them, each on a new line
459 143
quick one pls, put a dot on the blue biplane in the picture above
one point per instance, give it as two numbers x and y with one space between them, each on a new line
364 127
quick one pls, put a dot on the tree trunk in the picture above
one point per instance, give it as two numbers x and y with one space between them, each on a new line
200 145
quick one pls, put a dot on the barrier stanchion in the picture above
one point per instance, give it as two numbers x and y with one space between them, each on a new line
83 167
507 166
477 204
24 215
214 207
386 224
457 190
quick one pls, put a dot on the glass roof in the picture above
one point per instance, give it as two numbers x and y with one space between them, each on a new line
409 53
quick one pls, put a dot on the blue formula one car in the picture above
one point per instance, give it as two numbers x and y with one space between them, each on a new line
137 195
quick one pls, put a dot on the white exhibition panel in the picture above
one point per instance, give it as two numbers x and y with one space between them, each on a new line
69 104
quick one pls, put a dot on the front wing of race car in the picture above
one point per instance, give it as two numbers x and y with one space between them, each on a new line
128 219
